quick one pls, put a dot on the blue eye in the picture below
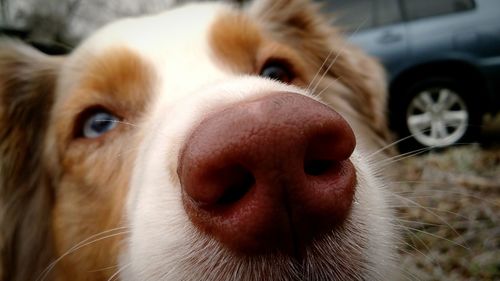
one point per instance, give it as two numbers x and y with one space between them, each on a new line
98 124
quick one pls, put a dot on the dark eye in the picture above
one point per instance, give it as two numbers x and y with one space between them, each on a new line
97 123
277 70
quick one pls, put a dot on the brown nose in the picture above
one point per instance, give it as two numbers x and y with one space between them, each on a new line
269 174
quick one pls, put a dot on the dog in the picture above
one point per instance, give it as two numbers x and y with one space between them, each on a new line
207 142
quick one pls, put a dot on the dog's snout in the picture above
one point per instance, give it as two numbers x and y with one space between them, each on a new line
269 174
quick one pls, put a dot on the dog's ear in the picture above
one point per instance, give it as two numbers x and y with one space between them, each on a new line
27 82
301 25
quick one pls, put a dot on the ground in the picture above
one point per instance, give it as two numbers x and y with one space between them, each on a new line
449 205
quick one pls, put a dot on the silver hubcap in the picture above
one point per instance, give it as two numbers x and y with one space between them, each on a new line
437 117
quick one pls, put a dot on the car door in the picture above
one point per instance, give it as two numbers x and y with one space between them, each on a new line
387 39
374 25
442 29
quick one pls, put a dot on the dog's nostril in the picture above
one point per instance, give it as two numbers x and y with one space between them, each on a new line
318 167
324 152
237 181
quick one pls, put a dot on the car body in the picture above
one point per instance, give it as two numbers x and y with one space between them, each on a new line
442 60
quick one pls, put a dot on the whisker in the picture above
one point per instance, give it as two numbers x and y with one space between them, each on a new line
390 145
118 121
401 157
416 222
412 276
115 275
452 192
319 69
410 154
318 95
413 247
427 210
437 236
92 239
104 268
394 143
436 210
326 70
330 65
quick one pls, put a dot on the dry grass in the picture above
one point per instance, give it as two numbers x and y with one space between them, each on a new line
451 213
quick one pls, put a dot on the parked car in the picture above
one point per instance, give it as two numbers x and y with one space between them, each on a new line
442 59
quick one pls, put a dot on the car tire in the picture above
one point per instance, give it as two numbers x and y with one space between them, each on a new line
435 113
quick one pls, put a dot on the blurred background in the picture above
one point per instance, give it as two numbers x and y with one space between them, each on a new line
443 70
56 26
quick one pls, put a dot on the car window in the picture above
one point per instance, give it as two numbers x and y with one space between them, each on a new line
387 12
351 14
416 9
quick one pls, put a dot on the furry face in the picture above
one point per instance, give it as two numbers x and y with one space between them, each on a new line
196 144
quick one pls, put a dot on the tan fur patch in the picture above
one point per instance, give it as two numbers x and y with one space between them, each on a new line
118 80
235 41
95 173
239 44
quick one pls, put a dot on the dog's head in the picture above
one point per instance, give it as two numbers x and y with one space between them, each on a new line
195 144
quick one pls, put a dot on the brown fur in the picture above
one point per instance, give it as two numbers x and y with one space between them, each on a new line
235 41
95 173
241 45
89 176
26 95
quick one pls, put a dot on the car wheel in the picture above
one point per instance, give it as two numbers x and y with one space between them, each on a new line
436 113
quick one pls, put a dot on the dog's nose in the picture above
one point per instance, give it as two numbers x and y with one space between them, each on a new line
269 174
